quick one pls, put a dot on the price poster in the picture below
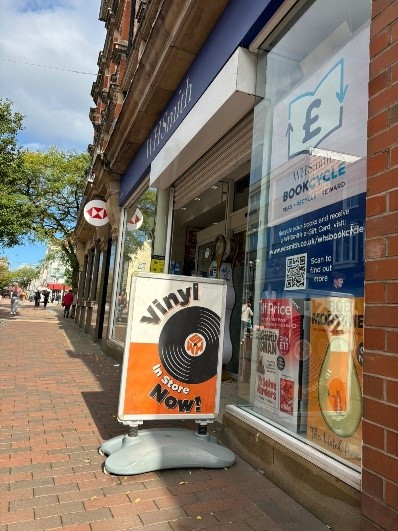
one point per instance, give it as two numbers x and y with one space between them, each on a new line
173 355
278 390
335 376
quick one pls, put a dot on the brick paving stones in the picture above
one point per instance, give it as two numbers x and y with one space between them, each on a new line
59 396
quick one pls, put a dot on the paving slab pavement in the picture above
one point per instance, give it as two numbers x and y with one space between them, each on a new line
58 403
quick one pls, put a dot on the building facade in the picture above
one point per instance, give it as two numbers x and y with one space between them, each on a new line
380 425
255 142
52 276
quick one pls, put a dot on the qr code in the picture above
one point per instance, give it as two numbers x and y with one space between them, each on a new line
296 268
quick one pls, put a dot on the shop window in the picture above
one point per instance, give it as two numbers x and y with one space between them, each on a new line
89 272
196 225
92 313
111 257
83 278
99 276
136 253
301 366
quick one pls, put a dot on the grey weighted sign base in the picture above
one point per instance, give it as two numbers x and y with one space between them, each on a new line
163 448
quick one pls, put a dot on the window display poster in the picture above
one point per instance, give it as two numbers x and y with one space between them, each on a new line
279 365
335 376
173 353
319 146
318 177
307 252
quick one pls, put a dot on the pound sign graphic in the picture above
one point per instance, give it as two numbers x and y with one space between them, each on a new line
311 120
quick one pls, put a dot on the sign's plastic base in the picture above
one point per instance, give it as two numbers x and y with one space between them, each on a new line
163 448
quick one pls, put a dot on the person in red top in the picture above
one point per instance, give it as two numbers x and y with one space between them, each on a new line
68 299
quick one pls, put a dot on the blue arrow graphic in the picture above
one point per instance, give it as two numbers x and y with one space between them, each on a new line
343 90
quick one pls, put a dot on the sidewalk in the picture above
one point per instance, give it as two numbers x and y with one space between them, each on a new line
59 396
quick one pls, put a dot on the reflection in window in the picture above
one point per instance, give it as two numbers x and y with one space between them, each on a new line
241 193
351 202
136 255
345 250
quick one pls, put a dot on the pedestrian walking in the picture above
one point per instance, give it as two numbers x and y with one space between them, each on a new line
68 299
74 304
46 296
37 298
14 298
121 305
247 314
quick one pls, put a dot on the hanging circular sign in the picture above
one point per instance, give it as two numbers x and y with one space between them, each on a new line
136 220
95 213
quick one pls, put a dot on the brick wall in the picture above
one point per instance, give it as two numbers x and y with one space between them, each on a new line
380 386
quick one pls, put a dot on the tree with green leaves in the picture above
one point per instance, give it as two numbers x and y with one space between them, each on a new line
40 192
5 273
53 183
15 211
25 275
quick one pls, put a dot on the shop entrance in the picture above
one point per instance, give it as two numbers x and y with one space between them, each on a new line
209 238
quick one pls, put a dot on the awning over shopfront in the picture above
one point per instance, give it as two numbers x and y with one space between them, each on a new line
58 287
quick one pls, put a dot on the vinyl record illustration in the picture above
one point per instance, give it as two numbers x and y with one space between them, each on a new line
188 344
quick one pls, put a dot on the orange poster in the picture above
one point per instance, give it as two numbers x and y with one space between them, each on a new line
335 376
172 359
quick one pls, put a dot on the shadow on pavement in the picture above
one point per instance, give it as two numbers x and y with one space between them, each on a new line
103 403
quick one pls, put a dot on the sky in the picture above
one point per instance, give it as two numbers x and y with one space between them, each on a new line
64 37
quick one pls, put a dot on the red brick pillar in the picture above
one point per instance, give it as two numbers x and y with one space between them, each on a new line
380 384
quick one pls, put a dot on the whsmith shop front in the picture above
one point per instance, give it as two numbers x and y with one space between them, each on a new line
259 170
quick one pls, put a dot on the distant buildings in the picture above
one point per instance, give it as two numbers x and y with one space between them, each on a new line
52 274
